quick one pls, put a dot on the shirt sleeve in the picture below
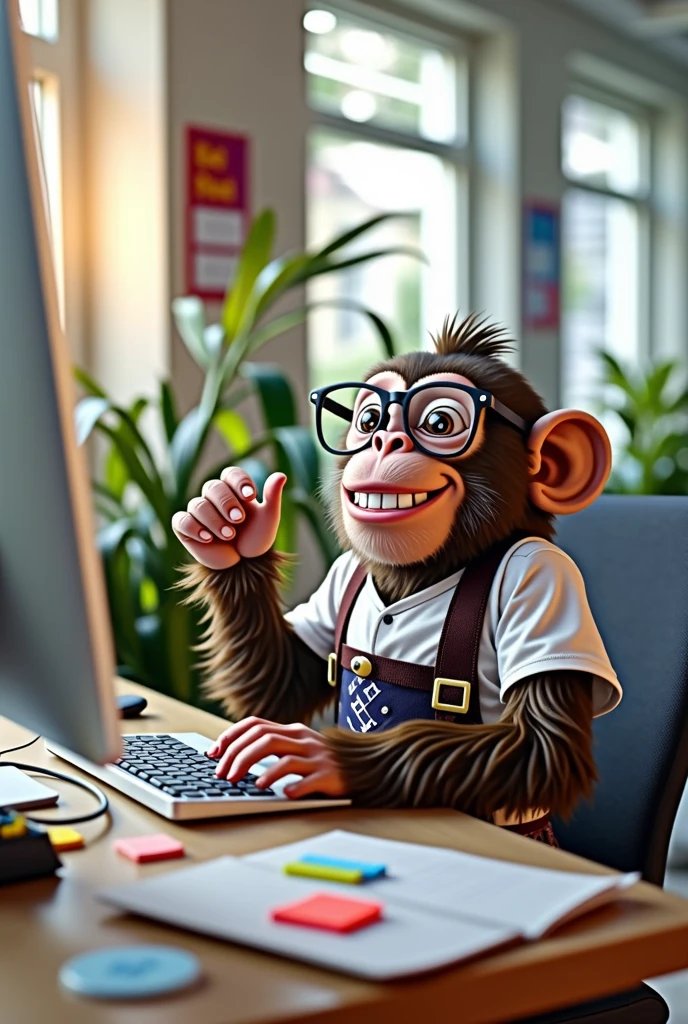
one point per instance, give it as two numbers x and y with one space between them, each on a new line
545 624
315 620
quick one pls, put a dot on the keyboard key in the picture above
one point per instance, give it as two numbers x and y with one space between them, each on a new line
253 791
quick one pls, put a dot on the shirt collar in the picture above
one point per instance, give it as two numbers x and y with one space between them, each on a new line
413 600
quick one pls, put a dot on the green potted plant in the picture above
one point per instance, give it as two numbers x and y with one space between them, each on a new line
154 459
652 404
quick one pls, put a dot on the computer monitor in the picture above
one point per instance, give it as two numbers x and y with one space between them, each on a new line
56 650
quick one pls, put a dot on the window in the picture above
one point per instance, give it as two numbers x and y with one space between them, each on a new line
39 18
605 232
46 104
388 134
53 32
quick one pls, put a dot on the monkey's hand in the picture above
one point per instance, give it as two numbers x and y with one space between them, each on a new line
301 751
228 523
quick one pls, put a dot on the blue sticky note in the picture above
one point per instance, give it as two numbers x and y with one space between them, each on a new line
369 871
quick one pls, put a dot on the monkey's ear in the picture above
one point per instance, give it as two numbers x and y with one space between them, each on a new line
571 459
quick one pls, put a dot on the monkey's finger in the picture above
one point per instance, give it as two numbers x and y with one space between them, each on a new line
207 515
239 728
240 482
224 499
272 743
289 765
328 782
188 528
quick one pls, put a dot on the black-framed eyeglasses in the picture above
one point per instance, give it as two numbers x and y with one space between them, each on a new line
441 418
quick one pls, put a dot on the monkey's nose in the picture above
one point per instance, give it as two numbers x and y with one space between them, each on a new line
387 442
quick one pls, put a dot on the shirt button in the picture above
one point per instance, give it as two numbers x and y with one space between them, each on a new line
388 619
384 710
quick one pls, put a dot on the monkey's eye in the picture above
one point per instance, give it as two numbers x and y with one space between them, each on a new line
368 419
444 420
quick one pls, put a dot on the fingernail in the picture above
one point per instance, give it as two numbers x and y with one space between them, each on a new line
227 532
247 491
236 514
288 790
204 535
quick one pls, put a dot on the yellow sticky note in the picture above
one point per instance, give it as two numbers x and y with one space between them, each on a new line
15 829
349 875
64 838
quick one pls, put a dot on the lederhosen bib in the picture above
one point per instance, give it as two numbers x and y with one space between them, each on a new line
375 693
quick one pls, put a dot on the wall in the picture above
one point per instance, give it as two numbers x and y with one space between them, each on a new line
238 65
124 113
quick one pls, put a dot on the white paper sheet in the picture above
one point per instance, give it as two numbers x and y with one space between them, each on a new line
231 899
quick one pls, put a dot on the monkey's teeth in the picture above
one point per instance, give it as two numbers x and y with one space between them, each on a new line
388 501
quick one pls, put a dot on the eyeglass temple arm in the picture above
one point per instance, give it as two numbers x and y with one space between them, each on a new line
337 409
509 416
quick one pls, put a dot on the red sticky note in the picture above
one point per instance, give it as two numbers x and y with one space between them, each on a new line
143 849
334 913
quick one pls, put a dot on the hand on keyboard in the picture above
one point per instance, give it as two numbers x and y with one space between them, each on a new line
301 751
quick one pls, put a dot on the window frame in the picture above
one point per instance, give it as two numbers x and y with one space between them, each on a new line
457 153
643 200
57 63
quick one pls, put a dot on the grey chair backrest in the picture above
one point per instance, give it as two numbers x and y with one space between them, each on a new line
633 554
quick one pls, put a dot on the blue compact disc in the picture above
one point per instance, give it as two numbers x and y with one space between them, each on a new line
130 972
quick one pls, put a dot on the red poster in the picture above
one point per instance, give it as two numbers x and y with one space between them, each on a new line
217 209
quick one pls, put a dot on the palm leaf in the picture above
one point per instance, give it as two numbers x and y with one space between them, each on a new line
255 255
189 316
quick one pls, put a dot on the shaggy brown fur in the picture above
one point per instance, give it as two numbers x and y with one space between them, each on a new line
496 504
253 662
538 755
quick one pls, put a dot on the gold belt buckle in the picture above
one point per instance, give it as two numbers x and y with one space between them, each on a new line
332 669
458 709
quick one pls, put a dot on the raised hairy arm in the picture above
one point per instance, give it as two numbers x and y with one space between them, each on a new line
253 662
539 754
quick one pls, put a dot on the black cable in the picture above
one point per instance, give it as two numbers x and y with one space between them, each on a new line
11 750
103 803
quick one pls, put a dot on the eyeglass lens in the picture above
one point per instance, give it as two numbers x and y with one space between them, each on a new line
439 418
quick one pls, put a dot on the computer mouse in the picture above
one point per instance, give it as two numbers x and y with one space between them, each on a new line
131 706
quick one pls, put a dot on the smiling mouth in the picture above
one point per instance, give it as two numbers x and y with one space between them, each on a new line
386 505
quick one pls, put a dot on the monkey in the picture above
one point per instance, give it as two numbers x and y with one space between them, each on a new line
448 460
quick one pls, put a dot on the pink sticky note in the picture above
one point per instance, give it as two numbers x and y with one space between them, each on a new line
143 849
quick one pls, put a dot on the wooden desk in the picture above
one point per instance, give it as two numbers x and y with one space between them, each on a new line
43 923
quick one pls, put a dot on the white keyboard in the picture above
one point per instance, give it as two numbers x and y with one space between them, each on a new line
170 774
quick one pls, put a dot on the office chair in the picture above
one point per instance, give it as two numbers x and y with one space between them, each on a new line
633 554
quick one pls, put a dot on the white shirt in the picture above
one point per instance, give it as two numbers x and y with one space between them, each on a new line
537 620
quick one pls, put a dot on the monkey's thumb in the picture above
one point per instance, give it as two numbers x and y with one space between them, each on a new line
272 491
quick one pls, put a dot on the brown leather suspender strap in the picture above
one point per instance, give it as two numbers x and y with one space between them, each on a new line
353 589
459 646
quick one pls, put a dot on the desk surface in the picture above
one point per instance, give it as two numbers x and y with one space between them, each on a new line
43 923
